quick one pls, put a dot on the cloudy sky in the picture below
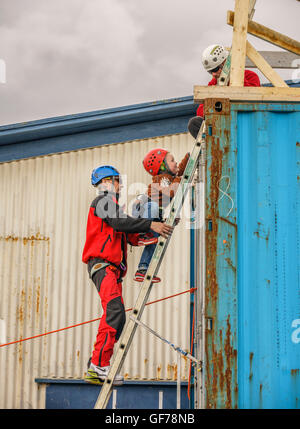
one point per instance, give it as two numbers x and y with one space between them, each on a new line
69 56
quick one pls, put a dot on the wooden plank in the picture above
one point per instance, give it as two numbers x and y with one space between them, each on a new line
248 93
268 35
238 49
264 67
277 59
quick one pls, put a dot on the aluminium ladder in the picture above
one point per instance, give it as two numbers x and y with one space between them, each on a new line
158 255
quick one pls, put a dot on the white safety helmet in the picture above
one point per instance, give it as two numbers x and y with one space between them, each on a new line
213 56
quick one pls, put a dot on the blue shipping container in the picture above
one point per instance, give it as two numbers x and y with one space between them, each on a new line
252 239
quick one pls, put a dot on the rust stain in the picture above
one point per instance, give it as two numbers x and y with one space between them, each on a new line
172 371
266 237
221 363
9 237
228 221
260 395
295 372
229 359
175 372
212 212
229 262
251 361
38 292
20 353
260 233
21 309
224 364
298 144
158 373
25 240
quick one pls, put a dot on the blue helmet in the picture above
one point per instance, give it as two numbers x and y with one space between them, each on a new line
100 173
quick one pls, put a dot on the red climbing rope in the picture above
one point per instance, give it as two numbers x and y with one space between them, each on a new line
89 321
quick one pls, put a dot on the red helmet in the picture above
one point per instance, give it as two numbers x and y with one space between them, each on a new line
153 160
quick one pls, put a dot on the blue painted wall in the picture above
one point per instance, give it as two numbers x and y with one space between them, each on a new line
268 171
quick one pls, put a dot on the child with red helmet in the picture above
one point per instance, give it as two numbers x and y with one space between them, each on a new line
166 176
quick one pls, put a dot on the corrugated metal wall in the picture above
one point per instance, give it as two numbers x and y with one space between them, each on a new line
44 285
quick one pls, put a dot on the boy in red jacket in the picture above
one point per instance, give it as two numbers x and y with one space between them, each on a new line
213 59
108 231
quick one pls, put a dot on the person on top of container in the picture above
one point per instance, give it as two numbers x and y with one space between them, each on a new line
166 176
213 60
108 231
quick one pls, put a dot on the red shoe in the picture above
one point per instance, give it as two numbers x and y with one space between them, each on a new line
146 239
140 276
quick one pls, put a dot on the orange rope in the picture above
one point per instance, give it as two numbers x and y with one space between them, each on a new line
90 321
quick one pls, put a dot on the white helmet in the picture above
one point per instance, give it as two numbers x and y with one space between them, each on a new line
213 56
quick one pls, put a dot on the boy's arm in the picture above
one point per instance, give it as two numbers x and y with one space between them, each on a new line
113 214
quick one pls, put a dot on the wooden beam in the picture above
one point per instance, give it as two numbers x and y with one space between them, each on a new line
247 93
264 67
268 35
238 49
278 59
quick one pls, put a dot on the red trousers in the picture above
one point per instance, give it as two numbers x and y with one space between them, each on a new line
113 317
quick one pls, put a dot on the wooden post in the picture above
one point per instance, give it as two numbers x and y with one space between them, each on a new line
264 66
238 50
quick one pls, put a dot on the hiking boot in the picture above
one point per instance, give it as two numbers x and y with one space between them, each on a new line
97 375
140 276
146 239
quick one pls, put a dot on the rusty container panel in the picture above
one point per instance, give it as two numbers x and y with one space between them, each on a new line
252 289
44 285
220 369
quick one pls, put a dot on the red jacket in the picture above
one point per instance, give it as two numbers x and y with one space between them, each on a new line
109 230
163 186
251 79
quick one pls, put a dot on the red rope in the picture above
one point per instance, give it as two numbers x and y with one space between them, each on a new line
89 321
